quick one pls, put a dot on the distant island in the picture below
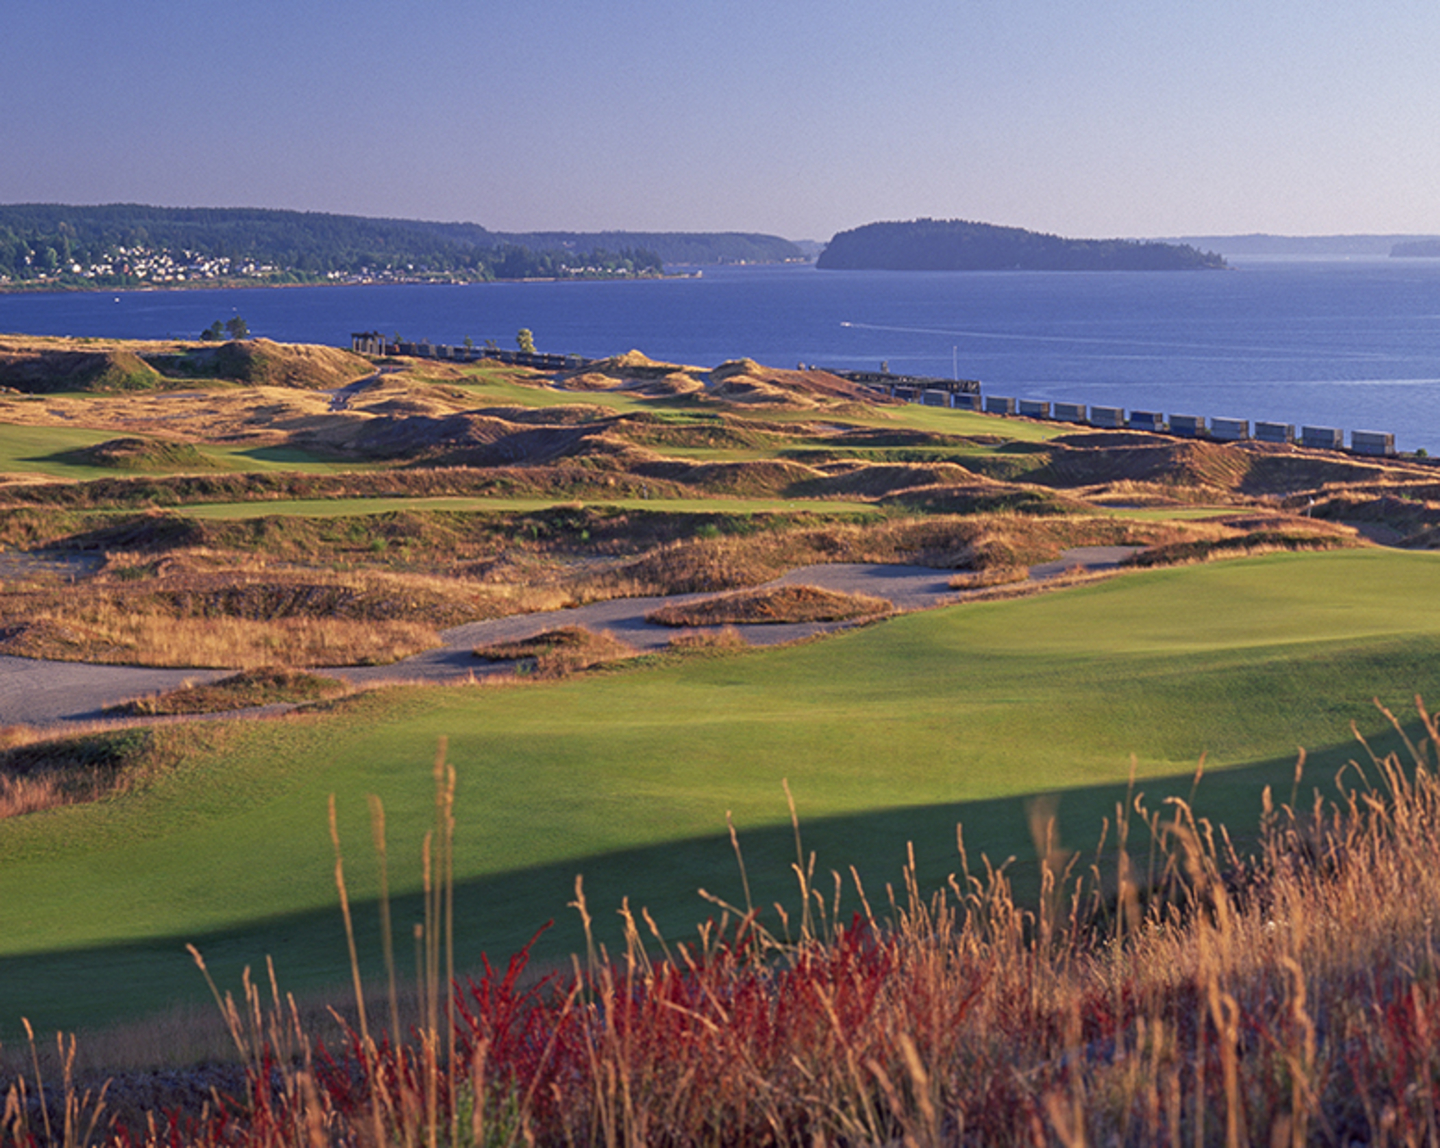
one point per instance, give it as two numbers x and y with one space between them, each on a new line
959 245
51 247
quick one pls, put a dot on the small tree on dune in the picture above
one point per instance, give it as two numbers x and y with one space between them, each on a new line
525 340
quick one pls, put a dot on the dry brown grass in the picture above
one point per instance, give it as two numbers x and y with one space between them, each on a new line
772 605
174 592
721 640
108 636
559 652
43 771
20 795
1242 545
245 690
205 608
1003 575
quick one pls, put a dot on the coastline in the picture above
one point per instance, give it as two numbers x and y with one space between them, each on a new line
48 288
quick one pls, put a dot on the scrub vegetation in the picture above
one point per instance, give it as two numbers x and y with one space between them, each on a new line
321 510
302 508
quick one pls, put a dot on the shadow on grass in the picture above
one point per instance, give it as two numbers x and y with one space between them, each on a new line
496 915
281 454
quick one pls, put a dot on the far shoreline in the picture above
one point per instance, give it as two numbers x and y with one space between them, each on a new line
251 284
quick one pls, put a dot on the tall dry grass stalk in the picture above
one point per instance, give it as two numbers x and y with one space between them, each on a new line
1174 989
20 795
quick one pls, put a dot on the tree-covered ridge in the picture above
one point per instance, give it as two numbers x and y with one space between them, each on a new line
1416 249
692 247
131 245
959 245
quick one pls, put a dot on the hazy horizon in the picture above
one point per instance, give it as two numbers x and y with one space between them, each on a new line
803 239
1112 119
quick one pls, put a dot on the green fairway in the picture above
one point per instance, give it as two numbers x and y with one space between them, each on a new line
29 450
42 450
886 734
280 458
499 391
946 421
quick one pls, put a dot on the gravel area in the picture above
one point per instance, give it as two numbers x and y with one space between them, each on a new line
40 693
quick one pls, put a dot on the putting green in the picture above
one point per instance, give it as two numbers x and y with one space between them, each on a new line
886 733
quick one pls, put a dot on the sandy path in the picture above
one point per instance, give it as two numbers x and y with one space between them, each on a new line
42 693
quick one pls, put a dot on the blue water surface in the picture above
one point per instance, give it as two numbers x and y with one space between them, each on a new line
1354 345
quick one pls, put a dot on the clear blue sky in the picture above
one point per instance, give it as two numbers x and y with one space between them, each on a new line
796 117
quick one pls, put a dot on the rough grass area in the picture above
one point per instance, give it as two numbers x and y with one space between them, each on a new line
223 610
262 362
999 575
778 604
45 774
186 591
103 634
1253 542
43 371
556 653
250 688
725 639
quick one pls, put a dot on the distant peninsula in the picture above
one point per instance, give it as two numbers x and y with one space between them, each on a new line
1417 249
959 245
55 247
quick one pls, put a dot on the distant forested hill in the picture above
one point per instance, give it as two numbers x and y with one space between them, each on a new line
53 245
1417 249
958 245
673 246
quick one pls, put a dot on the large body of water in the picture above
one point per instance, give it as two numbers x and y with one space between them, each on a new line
1354 345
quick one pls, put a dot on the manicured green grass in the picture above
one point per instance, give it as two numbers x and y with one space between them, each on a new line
280 458
29 450
886 734
41 450
500 392
947 421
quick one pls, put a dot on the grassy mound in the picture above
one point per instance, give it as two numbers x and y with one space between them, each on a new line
261 362
753 478
882 480
635 373
33 371
747 382
771 605
250 688
555 653
142 455
1254 542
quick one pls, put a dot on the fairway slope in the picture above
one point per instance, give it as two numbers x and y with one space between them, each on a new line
979 703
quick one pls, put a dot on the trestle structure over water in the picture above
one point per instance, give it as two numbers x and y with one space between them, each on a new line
965 394
374 343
